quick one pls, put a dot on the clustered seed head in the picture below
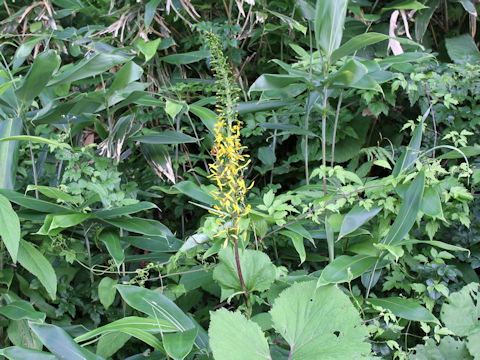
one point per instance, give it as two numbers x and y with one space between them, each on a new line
230 160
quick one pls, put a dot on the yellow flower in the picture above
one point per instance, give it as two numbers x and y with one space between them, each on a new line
230 163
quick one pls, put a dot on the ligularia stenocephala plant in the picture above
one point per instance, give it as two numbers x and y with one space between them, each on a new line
230 160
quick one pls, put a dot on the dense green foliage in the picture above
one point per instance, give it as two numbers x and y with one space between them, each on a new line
239 180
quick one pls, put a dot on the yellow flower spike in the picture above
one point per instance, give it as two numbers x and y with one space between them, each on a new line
230 162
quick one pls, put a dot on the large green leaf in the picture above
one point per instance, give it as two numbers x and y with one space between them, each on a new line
60 343
150 9
431 204
37 77
257 270
405 308
25 49
86 68
156 305
350 73
56 223
9 152
186 58
448 349
125 210
254 106
33 260
356 43
319 323
346 268
267 82
151 325
147 48
55 193
403 5
460 312
207 116
408 211
21 310
233 337
298 244
32 203
107 291
423 17
179 344
19 353
329 22
462 49
128 73
110 343
20 334
356 218
9 227
468 151
195 192
140 225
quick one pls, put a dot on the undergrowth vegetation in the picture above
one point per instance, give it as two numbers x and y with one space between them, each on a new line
239 180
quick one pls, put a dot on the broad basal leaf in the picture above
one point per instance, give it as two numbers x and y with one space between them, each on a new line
257 270
447 349
233 337
319 323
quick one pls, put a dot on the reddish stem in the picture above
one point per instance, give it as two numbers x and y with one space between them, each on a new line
239 271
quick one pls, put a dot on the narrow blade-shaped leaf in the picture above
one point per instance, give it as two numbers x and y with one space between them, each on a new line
86 68
112 242
33 260
151 325
410 154
166 137
405 308
32 203
329 22
356 218
408 211
356 43
195 192
125 210
156 305
8 152
9 227
37 77
20 353
60 343
346 268
21 310
186 58
128 73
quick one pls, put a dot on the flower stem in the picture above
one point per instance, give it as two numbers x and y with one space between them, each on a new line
239 271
